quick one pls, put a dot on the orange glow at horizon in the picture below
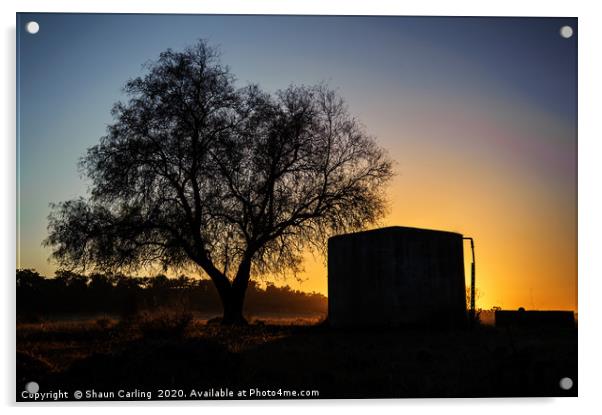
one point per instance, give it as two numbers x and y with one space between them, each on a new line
497 191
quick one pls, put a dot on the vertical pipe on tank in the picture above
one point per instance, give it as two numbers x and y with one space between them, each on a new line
472 281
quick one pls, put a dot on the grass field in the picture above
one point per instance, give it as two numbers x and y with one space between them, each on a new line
172 351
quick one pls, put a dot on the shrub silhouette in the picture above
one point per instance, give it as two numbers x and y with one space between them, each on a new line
164 325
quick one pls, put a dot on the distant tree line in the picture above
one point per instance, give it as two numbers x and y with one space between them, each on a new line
69 292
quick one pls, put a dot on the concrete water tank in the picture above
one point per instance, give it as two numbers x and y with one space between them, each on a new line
396 276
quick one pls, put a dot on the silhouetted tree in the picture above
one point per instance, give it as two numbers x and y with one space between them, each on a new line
236 181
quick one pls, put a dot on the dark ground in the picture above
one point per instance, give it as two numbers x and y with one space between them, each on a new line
172 353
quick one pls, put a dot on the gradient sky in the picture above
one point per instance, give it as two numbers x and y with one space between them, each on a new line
480 115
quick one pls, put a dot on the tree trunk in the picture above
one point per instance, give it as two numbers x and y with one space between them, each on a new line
234 297
233 304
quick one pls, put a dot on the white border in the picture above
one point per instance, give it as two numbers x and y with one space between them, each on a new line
590 206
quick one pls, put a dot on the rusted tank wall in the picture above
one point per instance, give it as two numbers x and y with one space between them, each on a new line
396 276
